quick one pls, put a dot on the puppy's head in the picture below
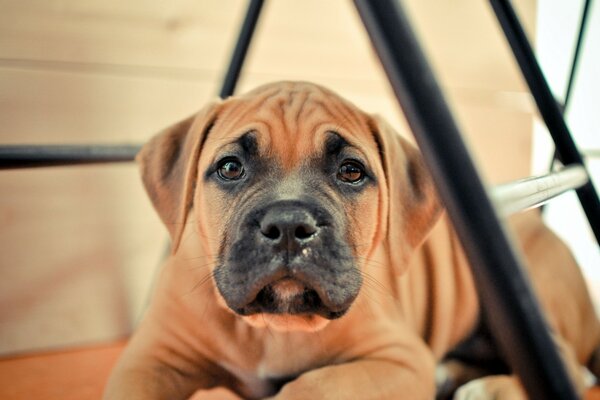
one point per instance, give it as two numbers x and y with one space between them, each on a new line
290 188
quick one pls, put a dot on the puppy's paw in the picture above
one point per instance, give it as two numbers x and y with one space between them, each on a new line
219 393
499 387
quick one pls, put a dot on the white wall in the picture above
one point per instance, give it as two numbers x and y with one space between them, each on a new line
556 36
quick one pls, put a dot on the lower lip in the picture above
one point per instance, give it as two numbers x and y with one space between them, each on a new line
287 322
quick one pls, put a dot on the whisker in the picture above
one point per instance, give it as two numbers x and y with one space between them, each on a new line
372 263
198 284
210 302
200 257
202 266
320 341
366 308
357 245
193 222
374 284
214 273
267 326
372 299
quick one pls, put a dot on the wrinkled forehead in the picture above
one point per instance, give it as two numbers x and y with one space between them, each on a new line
291 121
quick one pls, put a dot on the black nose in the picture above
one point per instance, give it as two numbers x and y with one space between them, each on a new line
286 226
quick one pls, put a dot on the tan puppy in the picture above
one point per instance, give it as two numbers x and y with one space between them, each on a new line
310 260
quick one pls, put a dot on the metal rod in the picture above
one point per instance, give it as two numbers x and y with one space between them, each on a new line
241 48
549 109
524 194
591 153
574 64
23 156
577 53
520 328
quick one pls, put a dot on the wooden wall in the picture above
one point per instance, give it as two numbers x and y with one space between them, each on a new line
79 246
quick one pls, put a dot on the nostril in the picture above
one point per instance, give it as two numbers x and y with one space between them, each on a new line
304 231
272 232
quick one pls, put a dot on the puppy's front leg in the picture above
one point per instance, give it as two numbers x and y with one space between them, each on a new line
149 380
157 366
364 379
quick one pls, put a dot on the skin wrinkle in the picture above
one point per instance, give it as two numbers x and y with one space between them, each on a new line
342 107
303 103
249 106
310 113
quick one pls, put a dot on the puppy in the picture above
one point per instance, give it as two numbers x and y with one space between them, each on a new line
311 260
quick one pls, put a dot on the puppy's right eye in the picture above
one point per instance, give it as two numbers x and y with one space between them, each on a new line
230 170
351 172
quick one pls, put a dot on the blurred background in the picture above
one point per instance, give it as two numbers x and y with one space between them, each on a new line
79 246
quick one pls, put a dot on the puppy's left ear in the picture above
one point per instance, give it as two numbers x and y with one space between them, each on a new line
169 166
413 206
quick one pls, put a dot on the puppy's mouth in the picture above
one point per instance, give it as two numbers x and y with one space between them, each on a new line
291 296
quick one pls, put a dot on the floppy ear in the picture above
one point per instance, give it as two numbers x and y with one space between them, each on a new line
169 167
413 206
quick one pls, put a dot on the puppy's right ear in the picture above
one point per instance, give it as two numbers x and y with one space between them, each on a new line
169 167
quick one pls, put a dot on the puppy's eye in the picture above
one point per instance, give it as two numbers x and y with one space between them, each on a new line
230 169
351 172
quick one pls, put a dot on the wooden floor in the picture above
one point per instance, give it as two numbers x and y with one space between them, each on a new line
79 374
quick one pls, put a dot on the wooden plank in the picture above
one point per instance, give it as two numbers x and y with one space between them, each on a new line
175 34
80 247
78 374
296 38
58 107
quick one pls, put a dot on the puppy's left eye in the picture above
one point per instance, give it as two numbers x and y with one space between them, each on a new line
351 172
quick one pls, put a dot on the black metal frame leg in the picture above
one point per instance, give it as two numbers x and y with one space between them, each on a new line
576 55
241 48
513 311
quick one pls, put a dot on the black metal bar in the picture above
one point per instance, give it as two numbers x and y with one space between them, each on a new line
575 61
504 290
241 48
549 109
573 71
20 156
